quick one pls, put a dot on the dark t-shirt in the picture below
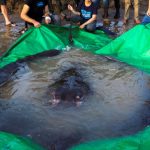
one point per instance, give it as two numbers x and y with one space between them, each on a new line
86 12
36 8
2 2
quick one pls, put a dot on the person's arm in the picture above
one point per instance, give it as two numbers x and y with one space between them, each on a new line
148 12
94 16
73 11
26 18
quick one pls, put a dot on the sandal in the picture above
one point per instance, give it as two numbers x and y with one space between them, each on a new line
12 24
23 30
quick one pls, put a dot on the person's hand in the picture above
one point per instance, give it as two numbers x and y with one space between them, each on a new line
82 26
70 8
47 20
36 24
148 13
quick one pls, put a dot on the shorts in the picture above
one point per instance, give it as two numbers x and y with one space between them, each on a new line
2 2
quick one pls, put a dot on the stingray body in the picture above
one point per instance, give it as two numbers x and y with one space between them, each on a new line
70 88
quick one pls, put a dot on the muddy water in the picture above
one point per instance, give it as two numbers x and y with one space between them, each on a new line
117 105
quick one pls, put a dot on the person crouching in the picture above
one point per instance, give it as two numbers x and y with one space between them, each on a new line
86 14
33 12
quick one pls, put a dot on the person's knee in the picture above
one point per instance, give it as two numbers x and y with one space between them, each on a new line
146 20
136 4
76 19
90 28
127 2
56 20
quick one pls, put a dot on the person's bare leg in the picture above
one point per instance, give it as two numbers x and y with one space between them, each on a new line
5 14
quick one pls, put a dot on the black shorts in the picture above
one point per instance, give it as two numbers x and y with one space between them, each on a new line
2 2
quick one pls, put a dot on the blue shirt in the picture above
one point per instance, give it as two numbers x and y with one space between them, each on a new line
87 12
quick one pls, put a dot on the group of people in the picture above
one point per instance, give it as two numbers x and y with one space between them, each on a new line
85 13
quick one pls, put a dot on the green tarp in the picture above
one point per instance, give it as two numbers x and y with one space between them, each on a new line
12 142
48 37
132 47
140 141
